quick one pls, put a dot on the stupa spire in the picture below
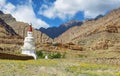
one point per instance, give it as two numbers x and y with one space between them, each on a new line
30 28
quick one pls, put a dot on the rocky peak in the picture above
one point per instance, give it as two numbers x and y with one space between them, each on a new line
7 28
93 31
21 28
7 17
99 16
1 12
10 41
54 32
71 23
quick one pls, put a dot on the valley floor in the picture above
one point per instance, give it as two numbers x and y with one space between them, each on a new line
56 67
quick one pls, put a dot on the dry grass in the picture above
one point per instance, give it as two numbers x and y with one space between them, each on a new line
55 67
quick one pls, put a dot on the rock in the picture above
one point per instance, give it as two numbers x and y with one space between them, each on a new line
9 30
54 32
21 28
90 32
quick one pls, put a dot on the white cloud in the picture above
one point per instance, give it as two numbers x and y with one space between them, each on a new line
24 13
8 8
68 8
2 3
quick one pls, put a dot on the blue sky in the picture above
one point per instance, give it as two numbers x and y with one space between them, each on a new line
49 13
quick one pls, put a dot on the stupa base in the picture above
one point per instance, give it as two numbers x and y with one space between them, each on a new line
30 53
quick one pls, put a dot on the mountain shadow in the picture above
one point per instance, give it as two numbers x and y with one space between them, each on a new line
54 32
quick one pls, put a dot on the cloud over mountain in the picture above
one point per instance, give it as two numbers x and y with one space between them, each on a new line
23 12
68 8
45 13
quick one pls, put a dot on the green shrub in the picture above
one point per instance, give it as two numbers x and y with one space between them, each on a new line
54 55
40 54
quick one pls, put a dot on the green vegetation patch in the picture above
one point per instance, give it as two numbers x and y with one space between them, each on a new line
51 55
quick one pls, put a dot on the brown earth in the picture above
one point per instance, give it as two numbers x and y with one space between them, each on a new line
14 57
10 41
12 34
21 29
103 33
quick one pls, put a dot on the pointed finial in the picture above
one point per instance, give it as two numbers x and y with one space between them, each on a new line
30 28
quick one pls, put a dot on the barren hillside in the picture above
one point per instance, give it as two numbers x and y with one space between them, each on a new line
21 28
9 39
95 34
12 34
54 32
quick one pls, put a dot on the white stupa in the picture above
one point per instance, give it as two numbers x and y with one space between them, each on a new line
29 45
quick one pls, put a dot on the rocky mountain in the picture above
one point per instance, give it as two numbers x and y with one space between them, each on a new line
12 35
99 16
1 12
101 33
7 29
6 17
9 39
21 28
54 32
10 43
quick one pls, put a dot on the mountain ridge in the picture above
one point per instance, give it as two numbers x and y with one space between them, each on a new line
54 32
7 28
12 34
9 39
21 28
7 17
87 34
